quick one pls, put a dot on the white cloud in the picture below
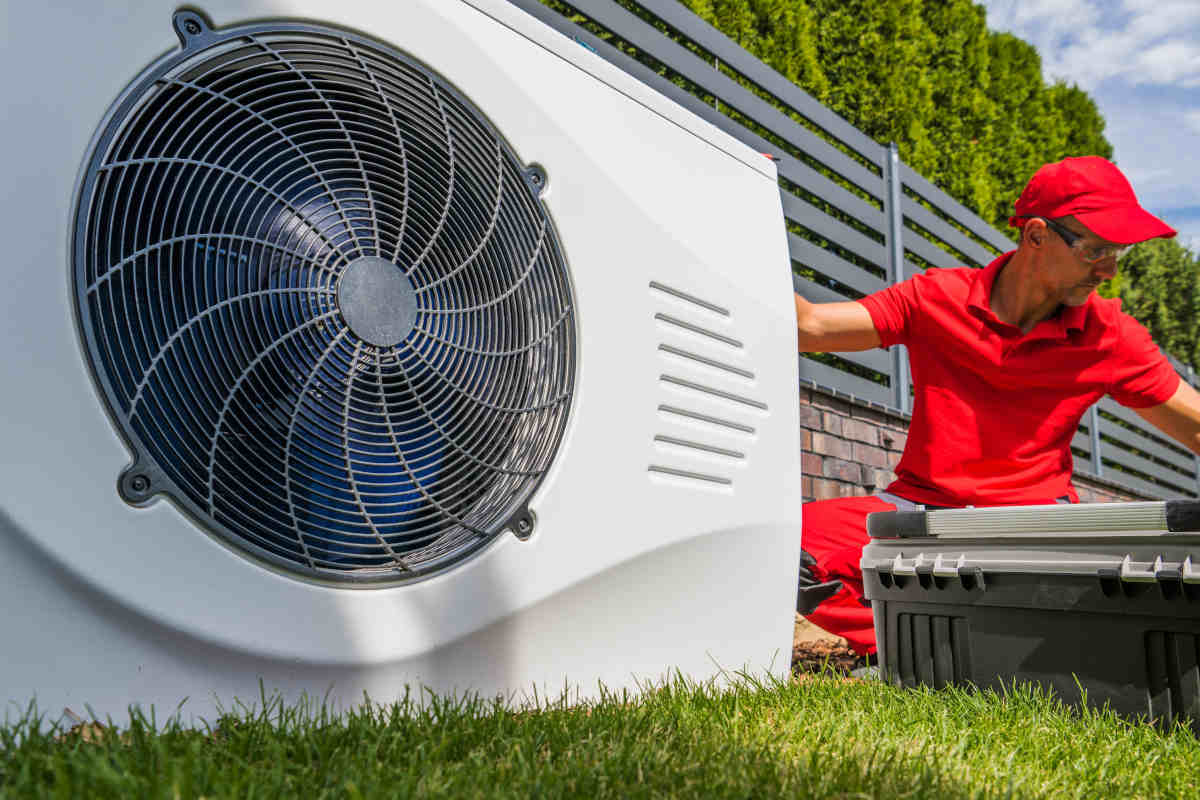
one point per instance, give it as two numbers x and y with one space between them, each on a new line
1138 55
1088 42
1063 12
1167 14
1172 62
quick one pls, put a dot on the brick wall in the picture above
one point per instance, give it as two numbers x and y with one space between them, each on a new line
850 449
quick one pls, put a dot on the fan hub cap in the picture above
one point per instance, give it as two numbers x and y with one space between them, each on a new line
377 301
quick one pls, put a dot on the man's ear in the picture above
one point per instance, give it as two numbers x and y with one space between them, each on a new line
1034 232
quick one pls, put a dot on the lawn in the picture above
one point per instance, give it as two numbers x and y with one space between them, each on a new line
812 736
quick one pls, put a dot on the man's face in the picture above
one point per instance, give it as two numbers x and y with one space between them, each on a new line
1071 271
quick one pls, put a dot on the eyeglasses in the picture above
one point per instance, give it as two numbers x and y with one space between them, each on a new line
1090 254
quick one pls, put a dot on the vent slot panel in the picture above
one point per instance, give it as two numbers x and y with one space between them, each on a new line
711 416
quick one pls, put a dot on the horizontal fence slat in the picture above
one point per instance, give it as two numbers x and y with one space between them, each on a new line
874 359
1145 466
809 179
923 248
1184 464
1152 490
1082 441
641 34
805 252
834 230
1110 406
679 17
815 292
946 232
844 381
951 207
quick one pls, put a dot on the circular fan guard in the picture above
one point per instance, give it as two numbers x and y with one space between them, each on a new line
242 211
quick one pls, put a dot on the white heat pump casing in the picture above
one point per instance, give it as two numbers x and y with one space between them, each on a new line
636 567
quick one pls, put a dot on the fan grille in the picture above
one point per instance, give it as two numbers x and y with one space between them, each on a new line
243 210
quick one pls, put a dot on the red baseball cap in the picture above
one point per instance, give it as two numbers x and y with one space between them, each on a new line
1094 191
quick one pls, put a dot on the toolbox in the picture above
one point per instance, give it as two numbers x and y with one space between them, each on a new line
1098 602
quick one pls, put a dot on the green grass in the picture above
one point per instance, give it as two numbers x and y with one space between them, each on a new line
816 737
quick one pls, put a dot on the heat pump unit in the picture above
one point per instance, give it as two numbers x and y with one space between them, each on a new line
355 346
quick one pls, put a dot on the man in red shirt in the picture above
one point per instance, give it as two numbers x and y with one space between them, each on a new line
1005 360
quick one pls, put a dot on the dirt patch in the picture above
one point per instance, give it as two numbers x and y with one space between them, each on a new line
813 656
813 649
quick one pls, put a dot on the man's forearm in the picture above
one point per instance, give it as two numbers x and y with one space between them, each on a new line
833 327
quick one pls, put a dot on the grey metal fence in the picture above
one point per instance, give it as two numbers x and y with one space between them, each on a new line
858 217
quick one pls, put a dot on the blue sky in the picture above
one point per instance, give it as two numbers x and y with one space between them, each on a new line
1140 61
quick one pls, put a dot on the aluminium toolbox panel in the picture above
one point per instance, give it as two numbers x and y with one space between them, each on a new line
1100 600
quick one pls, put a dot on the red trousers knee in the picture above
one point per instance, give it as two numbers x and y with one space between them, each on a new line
835 532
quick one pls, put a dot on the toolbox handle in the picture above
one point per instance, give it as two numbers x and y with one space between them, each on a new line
1168 516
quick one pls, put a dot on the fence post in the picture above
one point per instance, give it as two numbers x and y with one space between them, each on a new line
892 208
1191 379
1094 430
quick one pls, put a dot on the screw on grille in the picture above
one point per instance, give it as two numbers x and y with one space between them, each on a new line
523 525
135 486
536 177
188 26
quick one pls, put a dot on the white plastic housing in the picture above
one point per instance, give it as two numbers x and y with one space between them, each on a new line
635 568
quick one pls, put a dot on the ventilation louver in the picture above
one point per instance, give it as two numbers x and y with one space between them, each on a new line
324 302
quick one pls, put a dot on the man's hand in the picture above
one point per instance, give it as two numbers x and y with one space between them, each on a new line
810 593
834 327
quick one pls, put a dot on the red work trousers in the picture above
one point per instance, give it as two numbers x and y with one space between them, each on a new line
835 532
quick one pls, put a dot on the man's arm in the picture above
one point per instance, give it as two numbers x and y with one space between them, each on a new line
1179 417
834 327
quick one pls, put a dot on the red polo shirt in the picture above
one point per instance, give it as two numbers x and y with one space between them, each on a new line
994 410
